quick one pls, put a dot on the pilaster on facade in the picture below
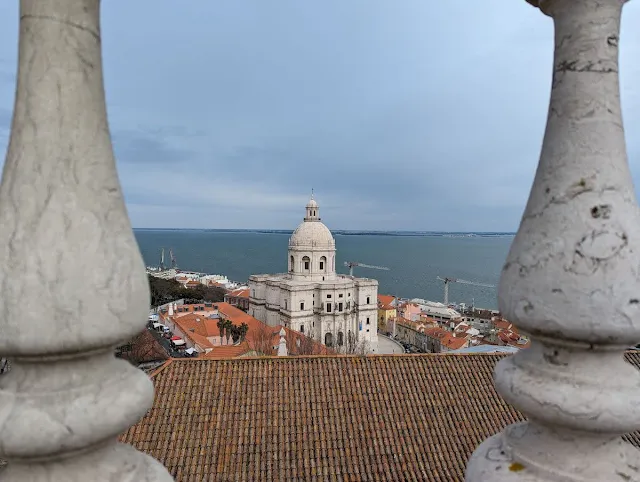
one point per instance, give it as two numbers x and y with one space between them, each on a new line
571 277
67 243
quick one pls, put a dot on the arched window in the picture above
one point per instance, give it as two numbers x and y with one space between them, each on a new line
292 265
328 339
306 264
340 338
323 264
368 300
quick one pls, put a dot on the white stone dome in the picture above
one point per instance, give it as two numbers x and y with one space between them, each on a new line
312 234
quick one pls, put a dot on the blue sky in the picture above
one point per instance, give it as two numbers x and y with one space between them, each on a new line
401 115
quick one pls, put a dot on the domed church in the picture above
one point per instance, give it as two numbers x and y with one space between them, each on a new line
337 310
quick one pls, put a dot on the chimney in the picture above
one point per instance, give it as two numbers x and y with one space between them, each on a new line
282 347
170 309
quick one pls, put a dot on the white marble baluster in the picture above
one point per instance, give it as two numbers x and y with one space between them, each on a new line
72 283
572 276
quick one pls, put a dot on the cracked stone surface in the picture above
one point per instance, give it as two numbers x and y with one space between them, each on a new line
571 279
67 243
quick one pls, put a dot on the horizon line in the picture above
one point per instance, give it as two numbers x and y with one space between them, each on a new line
333 230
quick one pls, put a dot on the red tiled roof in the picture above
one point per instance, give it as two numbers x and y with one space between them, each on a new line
378 418
144 347
258 332
227 351
239 293
386 300
446 338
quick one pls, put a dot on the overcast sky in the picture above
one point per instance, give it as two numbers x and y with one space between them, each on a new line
414 114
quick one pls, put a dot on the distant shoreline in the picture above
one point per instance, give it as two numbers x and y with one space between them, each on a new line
340 232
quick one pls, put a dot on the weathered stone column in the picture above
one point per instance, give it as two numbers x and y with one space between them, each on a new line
572 277
73 284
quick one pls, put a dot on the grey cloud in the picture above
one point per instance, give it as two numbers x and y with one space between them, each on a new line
142 148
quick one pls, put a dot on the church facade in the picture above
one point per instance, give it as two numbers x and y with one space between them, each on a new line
337 310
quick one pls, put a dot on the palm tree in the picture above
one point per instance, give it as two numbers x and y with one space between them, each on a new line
228 327
244 328
235 334
221 326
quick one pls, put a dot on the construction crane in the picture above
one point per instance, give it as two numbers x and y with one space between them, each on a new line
174 263
162 260
351 264
458 280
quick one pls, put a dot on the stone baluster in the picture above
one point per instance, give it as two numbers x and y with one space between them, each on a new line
72 280
571 279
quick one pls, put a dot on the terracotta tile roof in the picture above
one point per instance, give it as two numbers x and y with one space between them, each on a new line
260 337
501 324
143 348
239 293
228 351
324 418
386 300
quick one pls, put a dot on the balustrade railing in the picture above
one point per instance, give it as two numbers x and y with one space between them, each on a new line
66 242
571 279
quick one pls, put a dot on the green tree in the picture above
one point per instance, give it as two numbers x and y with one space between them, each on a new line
221 326
228 328
244 328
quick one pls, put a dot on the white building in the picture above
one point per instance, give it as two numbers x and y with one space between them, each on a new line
311 297
436 310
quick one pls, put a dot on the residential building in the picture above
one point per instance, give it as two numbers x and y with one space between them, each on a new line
239 298
436 310
197 325
386 311
311 297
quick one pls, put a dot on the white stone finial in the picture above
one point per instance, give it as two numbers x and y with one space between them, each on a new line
571 277
282 346
66 241
170 309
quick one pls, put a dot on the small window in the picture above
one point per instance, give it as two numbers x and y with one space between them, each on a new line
285 304
328 307
302 305
301 328
368 300
348 294
368 322
340 295
328 297
306 265
339 306
321 265
367 330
